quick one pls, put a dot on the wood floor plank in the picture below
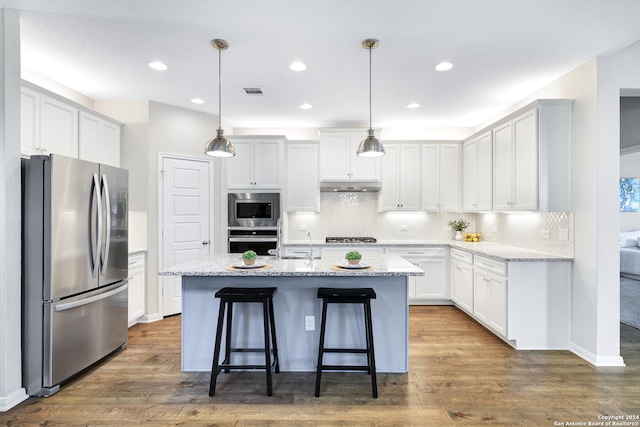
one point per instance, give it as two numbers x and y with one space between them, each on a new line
460 375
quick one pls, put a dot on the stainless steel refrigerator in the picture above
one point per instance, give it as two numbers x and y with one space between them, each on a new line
75 267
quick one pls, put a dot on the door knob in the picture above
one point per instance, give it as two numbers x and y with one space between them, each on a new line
205 242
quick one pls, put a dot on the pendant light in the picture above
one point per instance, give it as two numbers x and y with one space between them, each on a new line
219 146
370 146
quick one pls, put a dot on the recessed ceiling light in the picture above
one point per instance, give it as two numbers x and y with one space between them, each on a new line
197 101
157 65
306 106
413 105
297 66
444 66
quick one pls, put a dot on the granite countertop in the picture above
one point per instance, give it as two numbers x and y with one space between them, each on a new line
488 249
216 265
134 251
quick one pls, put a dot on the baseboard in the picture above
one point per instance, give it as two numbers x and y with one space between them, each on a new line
594 359
15 398
149 318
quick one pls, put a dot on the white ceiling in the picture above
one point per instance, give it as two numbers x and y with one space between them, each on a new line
502 51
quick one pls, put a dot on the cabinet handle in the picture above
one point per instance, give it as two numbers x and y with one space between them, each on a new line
205 242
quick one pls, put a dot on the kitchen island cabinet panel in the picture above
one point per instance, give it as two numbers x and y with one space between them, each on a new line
297 282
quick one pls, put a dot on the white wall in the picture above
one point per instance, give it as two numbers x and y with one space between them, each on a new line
11 391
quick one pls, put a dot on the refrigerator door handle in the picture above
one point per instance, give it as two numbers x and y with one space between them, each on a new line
95 246
80 303
107 234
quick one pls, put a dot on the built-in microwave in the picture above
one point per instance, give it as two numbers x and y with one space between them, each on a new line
253 209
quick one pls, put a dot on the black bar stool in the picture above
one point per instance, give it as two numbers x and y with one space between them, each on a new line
348 296
229 296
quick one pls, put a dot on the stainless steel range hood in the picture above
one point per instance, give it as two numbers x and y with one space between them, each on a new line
348 186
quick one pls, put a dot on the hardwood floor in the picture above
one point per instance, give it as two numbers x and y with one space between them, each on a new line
460 374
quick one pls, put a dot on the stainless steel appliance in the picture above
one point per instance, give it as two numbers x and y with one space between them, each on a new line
259 240
253 209
75 267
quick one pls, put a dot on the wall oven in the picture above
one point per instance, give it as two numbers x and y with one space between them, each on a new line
253 209
258 240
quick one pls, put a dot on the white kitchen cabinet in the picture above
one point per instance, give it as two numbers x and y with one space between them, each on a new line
137 285
338 159
302 191
48 125
531 158
99 139
440 180
433 287
258 164
400 178
461 279
29 122
477 173
490 294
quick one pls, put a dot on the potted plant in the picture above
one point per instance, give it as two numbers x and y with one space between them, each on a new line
459 225
353 257
249 257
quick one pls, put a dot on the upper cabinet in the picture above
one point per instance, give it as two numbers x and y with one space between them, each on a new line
52 125
440 177
99 140
258 163
48 125
338 159
400 178
531 159
302 190
477 171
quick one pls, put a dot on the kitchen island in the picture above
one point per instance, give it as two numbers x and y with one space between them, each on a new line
297 281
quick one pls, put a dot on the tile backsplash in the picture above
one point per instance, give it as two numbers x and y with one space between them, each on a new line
356 214
137 230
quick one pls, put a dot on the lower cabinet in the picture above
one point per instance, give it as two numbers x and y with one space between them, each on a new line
490 294
137 284
432 288
461 279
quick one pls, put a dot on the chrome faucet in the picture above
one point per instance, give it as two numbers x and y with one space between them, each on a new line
279 240
310 247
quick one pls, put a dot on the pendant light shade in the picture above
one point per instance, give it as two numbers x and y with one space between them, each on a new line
370 146
219 146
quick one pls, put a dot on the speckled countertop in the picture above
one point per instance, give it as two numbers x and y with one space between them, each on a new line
216 265
487 249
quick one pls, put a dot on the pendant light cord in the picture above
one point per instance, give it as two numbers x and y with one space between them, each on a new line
219 89
370 100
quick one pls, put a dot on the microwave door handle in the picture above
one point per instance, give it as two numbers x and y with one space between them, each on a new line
107 234
94 246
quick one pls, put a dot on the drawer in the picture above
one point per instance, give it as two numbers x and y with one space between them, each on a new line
463 256
417 252
491 265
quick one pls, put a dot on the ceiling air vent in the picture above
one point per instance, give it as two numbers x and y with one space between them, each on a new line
254 91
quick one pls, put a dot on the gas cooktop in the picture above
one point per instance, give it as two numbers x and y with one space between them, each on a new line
350 240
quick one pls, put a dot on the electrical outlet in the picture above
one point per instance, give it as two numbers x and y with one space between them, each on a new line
544 234
447 228
564 234
309 323
303 227
403 227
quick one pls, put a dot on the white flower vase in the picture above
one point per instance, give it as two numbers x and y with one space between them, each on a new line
458 235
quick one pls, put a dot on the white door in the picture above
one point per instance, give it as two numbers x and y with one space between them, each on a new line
185 221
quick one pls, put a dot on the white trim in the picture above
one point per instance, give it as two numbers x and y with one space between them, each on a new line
15 398
161 157
595 359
